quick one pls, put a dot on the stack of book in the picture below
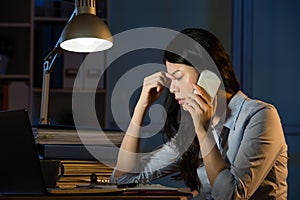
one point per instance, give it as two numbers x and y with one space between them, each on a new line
78 173
72 148
67 143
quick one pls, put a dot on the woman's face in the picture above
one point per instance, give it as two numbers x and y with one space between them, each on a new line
184 75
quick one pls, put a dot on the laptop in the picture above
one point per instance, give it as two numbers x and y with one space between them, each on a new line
20 171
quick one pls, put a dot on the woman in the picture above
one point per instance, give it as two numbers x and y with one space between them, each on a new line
243 156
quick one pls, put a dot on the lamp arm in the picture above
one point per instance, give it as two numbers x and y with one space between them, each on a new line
56 48
49 61
47 69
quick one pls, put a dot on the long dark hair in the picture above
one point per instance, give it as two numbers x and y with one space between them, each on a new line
190 160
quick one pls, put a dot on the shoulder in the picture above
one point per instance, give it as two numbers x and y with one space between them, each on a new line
260 117
258 123
254 112
253 107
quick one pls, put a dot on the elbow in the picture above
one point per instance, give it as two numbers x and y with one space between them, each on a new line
225 186
119 173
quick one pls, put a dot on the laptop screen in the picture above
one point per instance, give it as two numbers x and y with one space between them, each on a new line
20 171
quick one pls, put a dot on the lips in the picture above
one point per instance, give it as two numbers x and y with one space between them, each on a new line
180 100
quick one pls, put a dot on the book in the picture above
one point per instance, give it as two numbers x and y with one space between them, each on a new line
65 143
79 172
77 152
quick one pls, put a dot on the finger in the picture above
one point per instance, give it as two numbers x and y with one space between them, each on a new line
194 112
155 81
156 85
204 108
163 80
160 83
198 99
159 88
214 104
158 80
202 93
189 108
160 77
196 105
170 76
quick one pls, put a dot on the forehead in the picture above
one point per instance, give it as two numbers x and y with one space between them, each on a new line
176 67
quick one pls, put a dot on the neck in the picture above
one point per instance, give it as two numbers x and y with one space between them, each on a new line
228 97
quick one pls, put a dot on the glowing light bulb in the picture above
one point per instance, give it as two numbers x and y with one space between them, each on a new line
86 45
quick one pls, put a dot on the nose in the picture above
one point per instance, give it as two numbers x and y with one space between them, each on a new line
173 87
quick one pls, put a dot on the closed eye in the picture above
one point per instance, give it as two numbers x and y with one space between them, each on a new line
177 74
178 78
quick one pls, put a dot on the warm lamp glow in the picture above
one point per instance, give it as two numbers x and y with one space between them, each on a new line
86 32
86 45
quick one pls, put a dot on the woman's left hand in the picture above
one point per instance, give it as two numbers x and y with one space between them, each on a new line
201 108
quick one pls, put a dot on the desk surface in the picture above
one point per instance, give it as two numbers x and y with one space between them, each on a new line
92 194
85 197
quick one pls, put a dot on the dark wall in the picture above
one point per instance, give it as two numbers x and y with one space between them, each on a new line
172 14
267 59
261 36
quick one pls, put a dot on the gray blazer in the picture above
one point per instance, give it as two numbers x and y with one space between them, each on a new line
256 153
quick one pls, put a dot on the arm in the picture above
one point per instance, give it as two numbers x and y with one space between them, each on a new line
128 155
212 157
158 163
261 145
202 110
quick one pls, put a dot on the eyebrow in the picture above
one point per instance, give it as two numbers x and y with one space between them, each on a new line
175 72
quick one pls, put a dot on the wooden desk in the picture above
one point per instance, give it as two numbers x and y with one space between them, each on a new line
94 197
180 194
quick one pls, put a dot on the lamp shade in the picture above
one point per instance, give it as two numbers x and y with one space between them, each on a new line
86 33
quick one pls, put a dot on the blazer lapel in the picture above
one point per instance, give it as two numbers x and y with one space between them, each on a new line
234 141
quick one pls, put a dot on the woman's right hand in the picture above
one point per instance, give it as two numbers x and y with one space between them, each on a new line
153 87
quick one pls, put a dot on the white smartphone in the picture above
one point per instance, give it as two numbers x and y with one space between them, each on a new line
210 82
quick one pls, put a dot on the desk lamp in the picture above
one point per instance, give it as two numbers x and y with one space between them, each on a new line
84 33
